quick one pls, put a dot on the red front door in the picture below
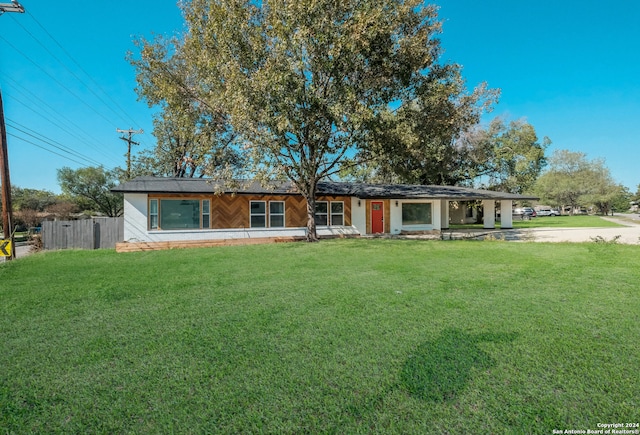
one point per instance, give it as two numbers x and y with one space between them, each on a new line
377 217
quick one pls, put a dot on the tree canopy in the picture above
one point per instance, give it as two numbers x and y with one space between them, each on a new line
302 85
91 188
574 180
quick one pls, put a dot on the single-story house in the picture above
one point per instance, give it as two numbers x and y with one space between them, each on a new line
195 209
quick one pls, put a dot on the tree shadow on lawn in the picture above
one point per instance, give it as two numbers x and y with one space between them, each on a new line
439 370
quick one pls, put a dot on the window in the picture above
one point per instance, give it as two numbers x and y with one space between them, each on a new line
469 210
258 214
206 213
276 214
179 214
329 213
416 213
153 214
337 213
322 213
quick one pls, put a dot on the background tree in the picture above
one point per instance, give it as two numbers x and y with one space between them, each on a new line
304 83
575 181
421 147
29 206
91 187
507 157
32 199
421 142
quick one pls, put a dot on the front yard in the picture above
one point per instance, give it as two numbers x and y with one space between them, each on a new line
343 336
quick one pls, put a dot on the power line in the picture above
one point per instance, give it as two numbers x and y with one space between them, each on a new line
90 88
51 142
41 147
62 85
87 139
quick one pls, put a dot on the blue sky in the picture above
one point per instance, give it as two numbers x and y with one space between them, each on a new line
570 68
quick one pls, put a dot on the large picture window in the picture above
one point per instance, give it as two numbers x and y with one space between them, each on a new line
416 213
179 214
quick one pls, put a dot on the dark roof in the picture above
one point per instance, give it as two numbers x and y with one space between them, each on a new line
360 190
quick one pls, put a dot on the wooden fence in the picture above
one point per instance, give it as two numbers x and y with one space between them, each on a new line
94 233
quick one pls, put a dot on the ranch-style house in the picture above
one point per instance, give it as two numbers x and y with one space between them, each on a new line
168 212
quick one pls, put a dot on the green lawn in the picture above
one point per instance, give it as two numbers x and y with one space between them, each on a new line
585 221
344 336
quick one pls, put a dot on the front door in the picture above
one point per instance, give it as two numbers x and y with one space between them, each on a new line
377 217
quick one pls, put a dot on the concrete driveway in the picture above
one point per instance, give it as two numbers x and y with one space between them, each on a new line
628 234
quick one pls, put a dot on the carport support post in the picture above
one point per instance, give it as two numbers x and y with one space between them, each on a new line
506 220
444 214
489 207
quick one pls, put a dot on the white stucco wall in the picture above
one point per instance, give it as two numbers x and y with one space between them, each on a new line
359 215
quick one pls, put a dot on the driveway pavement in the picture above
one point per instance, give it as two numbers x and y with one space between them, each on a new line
628 234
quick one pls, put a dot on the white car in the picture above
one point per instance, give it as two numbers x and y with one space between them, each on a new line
547 211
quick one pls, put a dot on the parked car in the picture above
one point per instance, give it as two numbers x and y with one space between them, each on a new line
547 211
524 212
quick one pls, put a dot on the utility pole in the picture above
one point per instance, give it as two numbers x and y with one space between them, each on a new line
129 142
5 178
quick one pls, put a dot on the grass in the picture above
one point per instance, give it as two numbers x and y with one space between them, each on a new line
345 336
582 221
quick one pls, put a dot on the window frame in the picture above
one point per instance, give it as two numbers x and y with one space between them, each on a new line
283 214
207 214
150 224
252 214
332 214
326 214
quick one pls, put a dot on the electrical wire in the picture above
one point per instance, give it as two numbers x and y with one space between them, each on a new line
31 133
86 138
48 150
90 88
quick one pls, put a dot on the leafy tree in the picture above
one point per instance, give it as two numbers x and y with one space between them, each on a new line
421 142
621 201
509 156
91 189
573 180
303 83
425 149
193 137
32 199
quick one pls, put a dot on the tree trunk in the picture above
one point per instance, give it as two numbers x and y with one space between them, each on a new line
312 234
308 190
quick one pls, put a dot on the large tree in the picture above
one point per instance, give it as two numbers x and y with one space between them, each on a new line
193 135
444 145
422 140
303 83
509 156
91 187
574 180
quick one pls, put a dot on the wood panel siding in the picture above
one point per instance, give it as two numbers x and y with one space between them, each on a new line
232 211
